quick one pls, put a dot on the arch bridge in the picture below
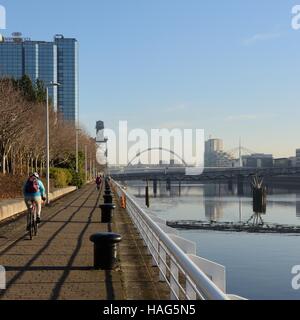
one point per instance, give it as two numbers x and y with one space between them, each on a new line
157 149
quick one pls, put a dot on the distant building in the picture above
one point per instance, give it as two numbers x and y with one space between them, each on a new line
258 160
213 145
298 157
293 161
55 61
283 163
215 156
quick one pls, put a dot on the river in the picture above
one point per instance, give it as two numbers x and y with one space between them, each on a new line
258 266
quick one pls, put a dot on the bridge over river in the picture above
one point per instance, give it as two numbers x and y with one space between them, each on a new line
207 174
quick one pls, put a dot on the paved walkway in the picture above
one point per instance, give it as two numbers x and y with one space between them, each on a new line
58 263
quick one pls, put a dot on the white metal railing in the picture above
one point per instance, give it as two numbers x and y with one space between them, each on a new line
188 276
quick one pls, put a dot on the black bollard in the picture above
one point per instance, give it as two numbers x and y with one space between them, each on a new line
107 212
105 250
107 198
107 186
107 192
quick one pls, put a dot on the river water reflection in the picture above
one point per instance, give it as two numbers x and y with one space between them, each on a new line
258 265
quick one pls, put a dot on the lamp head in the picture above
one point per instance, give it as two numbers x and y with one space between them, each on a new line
55 84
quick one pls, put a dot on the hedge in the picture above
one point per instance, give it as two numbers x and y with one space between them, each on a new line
62 177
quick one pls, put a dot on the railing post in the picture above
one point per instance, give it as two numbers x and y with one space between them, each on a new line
162 264
155 252
148 241
173 281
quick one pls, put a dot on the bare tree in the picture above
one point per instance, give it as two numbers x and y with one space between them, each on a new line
15 112
23 134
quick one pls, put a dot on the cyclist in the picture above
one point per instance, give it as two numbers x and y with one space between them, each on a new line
98 182
34 191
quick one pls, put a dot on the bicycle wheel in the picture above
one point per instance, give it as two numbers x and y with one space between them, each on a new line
30 231
34 223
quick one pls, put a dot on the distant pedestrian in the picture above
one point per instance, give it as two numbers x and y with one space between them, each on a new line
98 182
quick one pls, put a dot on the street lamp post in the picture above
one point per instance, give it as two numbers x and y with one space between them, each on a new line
52 84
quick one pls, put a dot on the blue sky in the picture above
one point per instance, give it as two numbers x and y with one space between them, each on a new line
229 67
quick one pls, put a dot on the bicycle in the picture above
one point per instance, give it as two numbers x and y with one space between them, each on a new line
32 226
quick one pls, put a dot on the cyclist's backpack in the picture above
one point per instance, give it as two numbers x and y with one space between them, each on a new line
32 185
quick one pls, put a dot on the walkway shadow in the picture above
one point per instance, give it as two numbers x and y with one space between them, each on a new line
110 294
108 277
30 262
52 268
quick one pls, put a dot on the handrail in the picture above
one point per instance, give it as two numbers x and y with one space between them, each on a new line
160 245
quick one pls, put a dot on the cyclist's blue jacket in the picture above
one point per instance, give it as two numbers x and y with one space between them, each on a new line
40 193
